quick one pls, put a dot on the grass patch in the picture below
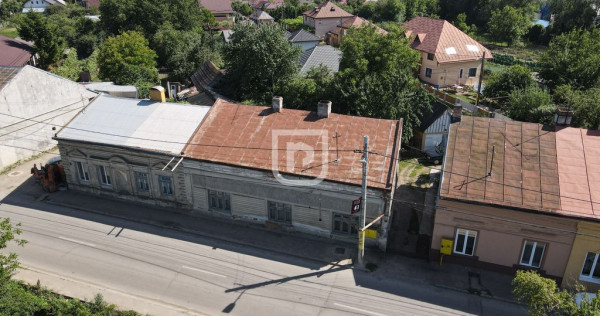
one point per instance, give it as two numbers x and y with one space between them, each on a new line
9 32
22 299
416 171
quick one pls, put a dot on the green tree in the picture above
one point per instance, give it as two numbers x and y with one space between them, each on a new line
47 43
416 8
303 92
573 14
127 59
273 62
8 8
9 263
241 7
572 58
461 24
531 104
376 78
500 84
182 52
508 25
147 16
543 297
584 103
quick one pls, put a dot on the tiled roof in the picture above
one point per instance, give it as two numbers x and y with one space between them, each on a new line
266 4
14 52
7 73
534 167
243 135
325 55
217 6
327 10
357 22
444 40
302 35
92 3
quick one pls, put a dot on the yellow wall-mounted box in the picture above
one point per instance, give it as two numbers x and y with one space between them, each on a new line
371 233
446 247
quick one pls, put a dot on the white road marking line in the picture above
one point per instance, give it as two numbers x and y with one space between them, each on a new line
204 271
358 309
77 242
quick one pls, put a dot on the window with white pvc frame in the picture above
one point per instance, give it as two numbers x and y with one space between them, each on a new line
464 242
591 268
532 254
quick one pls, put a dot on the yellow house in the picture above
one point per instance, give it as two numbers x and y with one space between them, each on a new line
448 56
584 262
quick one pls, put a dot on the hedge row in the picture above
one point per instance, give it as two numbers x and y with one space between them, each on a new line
510 60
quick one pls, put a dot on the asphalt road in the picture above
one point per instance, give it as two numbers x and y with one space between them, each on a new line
192 274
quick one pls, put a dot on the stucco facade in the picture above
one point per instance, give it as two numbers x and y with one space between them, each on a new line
585 246
323 25
445 74
124 168
500 236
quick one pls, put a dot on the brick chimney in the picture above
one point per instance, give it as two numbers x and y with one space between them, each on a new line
277 104
324 108
456 113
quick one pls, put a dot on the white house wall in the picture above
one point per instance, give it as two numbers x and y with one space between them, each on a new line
32 96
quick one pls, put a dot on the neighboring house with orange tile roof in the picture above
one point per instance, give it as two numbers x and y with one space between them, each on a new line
518 195
325 17
293 169
448 55
336 36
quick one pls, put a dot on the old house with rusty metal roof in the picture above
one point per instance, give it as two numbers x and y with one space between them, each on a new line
518 195
292 169
15 52
448 55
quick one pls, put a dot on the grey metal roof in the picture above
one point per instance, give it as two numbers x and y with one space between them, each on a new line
302 35
325 55
109 86
260 15
143 124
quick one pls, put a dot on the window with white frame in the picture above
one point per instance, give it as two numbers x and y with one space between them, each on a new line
472 72
141 180
280 212
532 254
428 72
104 175
591 268
464 242
219 201
166 185
81 171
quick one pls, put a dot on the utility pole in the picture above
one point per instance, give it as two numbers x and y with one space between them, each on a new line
480 80
363 205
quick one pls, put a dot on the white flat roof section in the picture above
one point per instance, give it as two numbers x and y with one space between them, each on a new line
143 124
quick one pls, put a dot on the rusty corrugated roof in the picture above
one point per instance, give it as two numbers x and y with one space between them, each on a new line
243 135
578 152
14 52
524 164
534 167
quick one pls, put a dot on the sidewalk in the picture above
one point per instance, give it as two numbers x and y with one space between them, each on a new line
293 244
389 267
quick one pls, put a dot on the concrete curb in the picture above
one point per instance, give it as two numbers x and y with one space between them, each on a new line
446 287
197 233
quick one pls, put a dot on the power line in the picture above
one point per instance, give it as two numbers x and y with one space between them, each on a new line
156 140
57 109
